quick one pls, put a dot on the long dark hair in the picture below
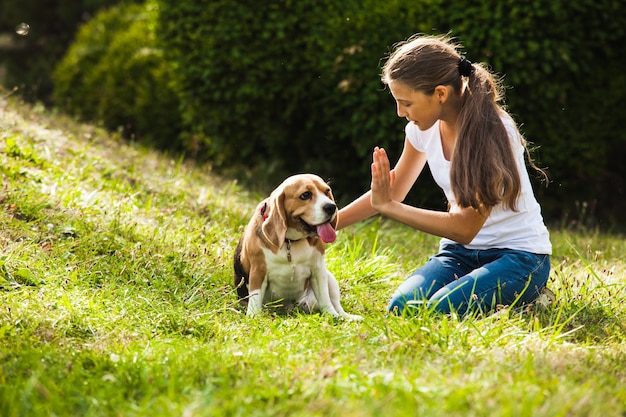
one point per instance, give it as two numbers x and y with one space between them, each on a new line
483 171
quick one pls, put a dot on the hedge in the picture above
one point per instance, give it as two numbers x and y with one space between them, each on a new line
286 86
281 86
115 73
563 62
294 86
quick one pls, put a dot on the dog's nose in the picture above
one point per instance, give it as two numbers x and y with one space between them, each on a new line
329 208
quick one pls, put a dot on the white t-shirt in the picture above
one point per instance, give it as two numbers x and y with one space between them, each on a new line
523 229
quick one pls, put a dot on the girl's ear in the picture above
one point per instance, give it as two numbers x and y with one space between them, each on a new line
441 93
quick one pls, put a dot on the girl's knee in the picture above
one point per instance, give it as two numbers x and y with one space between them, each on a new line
397 303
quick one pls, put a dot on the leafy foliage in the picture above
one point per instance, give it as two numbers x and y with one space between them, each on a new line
288 86
267 89
558 61
115 73
303 93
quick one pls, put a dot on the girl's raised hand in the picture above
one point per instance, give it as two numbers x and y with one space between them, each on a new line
382 180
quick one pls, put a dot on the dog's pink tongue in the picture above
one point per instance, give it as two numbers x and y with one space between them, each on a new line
326 232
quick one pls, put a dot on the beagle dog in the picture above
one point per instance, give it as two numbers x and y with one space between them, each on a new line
280 257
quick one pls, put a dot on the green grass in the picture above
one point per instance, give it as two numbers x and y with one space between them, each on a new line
116 300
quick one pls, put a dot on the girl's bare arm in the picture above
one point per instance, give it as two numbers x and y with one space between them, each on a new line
408 168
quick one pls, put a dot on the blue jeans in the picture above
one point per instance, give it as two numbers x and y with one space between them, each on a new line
463 280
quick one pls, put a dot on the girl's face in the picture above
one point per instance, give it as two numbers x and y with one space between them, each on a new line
421 109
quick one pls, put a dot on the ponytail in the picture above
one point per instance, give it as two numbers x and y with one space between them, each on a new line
483 172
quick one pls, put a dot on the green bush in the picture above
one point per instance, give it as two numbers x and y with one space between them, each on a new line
291 86
280 87
562 61
288 86
115 73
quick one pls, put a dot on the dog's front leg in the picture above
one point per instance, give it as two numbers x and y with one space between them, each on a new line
319 284
256 290
333 290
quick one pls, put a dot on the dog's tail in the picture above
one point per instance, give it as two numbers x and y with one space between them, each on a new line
241 277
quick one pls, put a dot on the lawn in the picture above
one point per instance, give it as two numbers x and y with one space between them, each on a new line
116 300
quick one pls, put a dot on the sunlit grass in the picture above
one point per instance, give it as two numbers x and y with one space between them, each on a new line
116 299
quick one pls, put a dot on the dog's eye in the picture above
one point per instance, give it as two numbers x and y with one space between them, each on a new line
327 192
307 195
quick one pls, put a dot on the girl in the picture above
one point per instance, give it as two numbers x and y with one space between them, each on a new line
495 249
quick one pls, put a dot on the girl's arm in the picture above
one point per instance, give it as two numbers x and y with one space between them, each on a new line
459 224
406 171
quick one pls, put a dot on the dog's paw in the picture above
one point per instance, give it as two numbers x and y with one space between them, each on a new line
352 317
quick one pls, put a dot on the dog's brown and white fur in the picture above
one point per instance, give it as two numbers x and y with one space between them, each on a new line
280 257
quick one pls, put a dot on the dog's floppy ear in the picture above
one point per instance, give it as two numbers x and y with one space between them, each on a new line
275 224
